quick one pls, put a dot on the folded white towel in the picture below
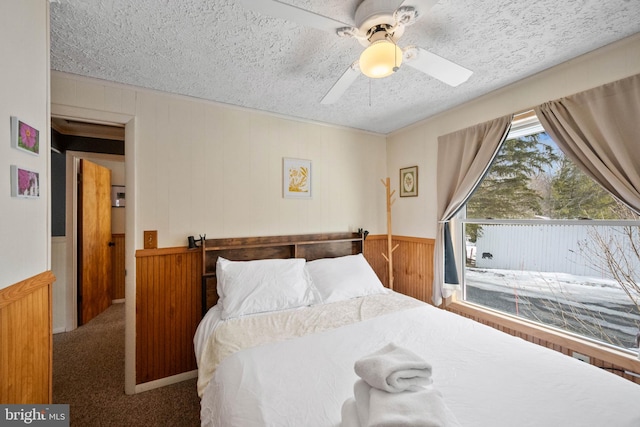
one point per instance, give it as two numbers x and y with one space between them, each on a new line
376 408
361 392
395 390
350 414
421 408
394 369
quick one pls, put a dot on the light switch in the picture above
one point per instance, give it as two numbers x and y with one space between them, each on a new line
151 239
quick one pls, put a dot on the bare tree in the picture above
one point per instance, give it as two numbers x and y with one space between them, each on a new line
618 253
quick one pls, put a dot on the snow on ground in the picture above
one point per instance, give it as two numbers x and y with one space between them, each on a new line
593 300
544 284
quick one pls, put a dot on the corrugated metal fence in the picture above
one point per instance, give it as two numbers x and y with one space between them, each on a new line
561 248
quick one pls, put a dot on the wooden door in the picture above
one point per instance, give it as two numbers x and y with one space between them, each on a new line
94 240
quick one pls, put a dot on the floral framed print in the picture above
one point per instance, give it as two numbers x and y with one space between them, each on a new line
409 182
24 137
296 178
24 183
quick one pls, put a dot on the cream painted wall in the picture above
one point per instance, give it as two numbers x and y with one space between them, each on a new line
25 227
216 170
204 168
418 144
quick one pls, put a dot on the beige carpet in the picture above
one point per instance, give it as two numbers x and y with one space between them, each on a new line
88 374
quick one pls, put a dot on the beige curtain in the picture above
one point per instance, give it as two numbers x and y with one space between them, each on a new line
464 157
599 130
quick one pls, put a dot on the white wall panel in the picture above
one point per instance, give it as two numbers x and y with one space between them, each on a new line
59 291
24 87
91 96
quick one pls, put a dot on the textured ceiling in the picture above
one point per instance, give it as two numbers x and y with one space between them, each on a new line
221 51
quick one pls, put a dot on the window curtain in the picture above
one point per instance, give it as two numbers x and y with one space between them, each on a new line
464 157
599 130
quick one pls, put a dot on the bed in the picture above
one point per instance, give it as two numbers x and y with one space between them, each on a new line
280 345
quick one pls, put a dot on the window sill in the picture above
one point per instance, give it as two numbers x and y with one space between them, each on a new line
551 338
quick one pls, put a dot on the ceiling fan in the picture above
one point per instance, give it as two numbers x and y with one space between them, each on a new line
378 26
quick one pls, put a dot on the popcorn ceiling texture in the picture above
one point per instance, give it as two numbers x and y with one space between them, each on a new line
219 50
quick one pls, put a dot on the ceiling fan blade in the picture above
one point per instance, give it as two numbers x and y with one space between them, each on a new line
343 83
436 66
422 6
277 9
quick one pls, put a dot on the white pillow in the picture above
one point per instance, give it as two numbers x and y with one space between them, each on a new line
248 287
342 278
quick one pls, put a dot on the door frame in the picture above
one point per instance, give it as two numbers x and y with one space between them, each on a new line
108 118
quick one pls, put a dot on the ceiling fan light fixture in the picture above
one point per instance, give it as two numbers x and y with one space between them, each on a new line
381 59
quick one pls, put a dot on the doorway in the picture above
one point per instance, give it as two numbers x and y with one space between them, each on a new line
74 141
69 317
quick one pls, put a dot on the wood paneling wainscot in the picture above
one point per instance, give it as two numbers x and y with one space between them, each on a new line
26 341
412 264
167 311
118 266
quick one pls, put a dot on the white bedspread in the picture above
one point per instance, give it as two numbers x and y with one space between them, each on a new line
487 378
233 335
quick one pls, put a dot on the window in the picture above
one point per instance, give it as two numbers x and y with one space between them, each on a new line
545 242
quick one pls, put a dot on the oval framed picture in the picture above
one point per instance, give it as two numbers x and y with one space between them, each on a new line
409 181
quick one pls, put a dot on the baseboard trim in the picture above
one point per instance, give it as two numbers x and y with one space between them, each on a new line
59 330
117 301
162 382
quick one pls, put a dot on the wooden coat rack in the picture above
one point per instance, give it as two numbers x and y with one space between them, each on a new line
390 248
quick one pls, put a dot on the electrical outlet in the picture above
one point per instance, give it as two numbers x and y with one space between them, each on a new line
581 357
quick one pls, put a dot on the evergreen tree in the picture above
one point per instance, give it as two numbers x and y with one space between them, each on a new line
506 190
576 195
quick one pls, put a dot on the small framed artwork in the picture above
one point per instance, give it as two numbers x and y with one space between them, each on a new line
409 182
117 196
24 137
296 178
24 183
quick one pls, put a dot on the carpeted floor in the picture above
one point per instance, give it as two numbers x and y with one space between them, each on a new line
88 374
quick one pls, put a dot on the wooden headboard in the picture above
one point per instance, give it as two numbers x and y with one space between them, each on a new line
308 246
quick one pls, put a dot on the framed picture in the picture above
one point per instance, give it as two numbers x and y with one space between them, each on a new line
117 196
24 137
24 183
409 182
296 178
